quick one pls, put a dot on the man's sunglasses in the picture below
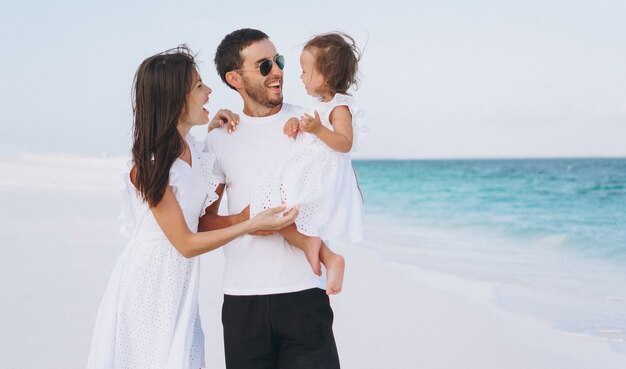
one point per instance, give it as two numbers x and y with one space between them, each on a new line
265 67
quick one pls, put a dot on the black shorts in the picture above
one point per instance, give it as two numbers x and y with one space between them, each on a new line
282 331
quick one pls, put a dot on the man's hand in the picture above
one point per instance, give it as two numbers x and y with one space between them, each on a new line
224 117
310 124
245 215
291 128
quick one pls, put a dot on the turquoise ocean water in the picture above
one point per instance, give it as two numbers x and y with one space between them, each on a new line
549 234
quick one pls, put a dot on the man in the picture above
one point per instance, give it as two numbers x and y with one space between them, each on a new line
276 313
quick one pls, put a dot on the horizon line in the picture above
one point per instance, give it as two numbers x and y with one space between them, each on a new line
449 158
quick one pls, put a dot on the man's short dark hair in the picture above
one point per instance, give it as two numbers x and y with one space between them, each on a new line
227 56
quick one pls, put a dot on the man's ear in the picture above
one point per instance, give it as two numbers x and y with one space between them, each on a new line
234 79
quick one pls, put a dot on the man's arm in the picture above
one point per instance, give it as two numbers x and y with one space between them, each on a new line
211 221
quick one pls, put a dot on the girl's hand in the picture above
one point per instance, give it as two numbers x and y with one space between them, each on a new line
269 221
224 116
291 127
310 124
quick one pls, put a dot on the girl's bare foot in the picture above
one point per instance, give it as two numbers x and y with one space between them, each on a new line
310 245
335 267
312 252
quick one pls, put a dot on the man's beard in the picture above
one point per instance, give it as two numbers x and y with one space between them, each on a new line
258 93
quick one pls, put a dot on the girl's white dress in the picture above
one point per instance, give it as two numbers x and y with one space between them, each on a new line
320 180
149 317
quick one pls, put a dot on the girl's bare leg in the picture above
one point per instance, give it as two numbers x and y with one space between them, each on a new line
316 251
309 245
335 267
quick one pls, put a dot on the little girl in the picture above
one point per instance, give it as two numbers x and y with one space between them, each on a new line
319 177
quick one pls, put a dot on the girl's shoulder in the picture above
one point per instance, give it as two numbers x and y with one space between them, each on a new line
338 100
342 99
326 108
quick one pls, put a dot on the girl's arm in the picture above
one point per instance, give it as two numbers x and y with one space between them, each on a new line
169 216
341 138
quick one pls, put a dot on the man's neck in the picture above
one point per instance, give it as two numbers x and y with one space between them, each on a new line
258 111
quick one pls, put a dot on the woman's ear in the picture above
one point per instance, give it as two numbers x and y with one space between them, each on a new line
234 79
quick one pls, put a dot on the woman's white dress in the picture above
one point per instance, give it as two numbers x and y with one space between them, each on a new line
320 180
149 317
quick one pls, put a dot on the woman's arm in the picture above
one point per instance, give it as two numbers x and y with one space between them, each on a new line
169 216
341 138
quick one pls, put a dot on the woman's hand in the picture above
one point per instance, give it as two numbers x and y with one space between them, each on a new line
269 221
310 124
291 127
224 116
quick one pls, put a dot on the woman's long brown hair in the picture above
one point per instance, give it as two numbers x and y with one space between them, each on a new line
161 86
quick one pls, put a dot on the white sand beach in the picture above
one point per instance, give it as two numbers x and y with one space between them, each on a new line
59 237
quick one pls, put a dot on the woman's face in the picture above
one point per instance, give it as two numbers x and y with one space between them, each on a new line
197 114
312 79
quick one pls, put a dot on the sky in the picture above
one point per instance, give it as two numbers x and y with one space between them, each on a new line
439 79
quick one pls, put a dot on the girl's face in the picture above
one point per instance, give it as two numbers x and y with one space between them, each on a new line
312 79
196 99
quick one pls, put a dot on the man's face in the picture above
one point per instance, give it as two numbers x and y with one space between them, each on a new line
264 90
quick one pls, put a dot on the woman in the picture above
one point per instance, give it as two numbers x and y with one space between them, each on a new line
149 314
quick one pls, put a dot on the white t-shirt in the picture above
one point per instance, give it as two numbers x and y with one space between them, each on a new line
257 265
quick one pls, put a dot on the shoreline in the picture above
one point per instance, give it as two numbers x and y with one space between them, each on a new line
513 276
483 293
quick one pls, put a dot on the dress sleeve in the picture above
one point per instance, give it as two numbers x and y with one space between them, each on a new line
210 146
178 180
208 163
359 116
129 196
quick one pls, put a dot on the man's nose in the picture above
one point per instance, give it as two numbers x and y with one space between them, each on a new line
276 69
